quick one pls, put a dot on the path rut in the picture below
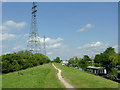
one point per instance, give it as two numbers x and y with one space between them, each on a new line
66 84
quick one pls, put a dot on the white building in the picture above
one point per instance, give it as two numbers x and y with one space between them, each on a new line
64 62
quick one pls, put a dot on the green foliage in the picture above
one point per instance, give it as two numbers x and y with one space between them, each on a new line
22 60
114 59
86 58
112 72
76 60
97 58
57 60
83 64
71 61
109 51
97 64
104 59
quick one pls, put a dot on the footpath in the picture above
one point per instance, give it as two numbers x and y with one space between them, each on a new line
66 84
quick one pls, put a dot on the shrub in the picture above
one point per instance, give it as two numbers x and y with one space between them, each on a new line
22 60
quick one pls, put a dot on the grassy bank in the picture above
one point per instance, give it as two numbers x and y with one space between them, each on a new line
0 81
43 76
81 79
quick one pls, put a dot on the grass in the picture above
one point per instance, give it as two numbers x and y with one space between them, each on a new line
0 81
43 76
81 79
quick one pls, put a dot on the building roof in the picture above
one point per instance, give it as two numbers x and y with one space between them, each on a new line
93 67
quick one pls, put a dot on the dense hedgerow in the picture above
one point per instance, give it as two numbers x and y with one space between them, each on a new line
22 60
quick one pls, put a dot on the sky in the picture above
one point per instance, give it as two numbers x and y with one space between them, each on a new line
71 28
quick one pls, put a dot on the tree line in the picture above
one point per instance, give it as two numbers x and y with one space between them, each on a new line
22 60
109 59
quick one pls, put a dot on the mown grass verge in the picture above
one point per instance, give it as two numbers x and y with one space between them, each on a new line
43 76
0 81
81 79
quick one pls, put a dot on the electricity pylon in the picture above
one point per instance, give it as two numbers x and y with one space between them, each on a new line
33 44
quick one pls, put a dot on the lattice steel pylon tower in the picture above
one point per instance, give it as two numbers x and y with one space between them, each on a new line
44 46
33 43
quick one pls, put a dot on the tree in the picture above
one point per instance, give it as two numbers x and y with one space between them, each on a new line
114 59
15 66
104 59
57 60
86 57
22 60
109 51
83 64
75 60
71 61
97 58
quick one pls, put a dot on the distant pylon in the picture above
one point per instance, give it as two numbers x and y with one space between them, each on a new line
44 46
33 44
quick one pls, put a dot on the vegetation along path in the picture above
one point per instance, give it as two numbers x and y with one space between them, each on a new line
66 84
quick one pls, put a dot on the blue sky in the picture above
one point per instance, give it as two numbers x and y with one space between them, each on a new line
71 29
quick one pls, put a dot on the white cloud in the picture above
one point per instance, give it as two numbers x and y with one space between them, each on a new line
26 35
53 45
88 26
49 53
116 48
7 36
10 25
47 40
13 24
3 28
56 45
94 48
18 47
79 47
6 53
93 45
51 41
7 27
35 39
82 29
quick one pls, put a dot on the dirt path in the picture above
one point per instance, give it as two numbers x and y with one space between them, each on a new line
66 84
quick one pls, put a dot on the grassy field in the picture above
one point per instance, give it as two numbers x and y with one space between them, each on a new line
44 76
0 82
81 79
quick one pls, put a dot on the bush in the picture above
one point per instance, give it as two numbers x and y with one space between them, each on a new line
22 60
57 60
